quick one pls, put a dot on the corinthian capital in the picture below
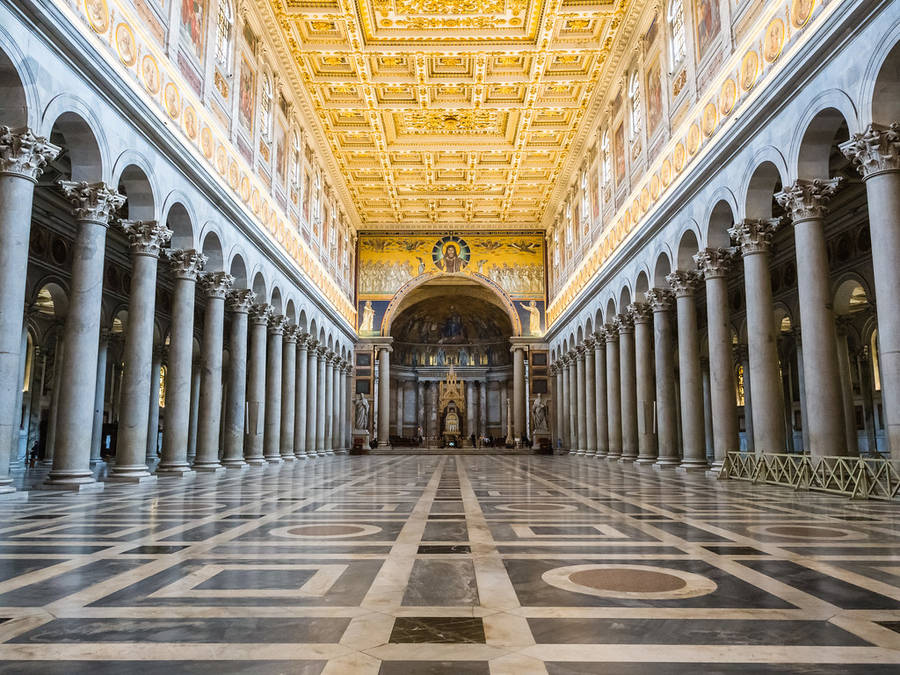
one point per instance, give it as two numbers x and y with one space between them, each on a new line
683 283
807 199
146 237
276 324
240 300
754 236
186 263
714 262
24 154
660 299
94 202
625 322
640 312
291 334
875 150
259 314
216 284
611 330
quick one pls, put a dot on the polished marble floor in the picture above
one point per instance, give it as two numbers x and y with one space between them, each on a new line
452 565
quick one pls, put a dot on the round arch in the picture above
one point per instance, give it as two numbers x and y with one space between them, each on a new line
402 298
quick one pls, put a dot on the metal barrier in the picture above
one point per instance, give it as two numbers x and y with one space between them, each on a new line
856 477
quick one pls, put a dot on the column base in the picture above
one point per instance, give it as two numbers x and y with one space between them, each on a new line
288 458
692 467
175 472
235 463
135 479
300 455
645 461
613 458
78 483
627 459
274 460
312 454
255 461
209 468
664 464
331 452
342 451
601 455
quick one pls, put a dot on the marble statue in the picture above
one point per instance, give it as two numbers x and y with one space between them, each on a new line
368 318
539 415
361 417
534 318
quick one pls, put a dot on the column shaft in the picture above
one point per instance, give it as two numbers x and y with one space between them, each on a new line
613 393
324 390
645 387
590 391
99 398
256 385
666 424
215 285
288 402
580 409
312 395
628 389
74 421
272 429
185 265
300 423
384 395
518 392
238 303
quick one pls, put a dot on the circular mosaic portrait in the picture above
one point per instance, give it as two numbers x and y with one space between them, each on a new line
451 254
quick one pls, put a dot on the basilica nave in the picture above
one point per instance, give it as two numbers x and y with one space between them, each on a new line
478 336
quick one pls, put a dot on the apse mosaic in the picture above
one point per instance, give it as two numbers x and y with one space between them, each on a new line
513 262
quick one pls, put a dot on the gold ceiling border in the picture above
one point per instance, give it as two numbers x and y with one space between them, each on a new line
774 41
126 46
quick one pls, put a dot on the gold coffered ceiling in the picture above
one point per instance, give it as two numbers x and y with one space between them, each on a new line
449 113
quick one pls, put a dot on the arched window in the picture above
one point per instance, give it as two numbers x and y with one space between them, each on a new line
224 27
265 106
637 106
568 224
605 159
676 32
584 195
295 160
317 199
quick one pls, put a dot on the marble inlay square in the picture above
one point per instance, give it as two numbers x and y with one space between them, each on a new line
446 630
254 581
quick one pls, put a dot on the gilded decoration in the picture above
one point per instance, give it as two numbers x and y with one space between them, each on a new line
452 114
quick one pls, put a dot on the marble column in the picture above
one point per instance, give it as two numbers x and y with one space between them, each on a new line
590 390
238 303
806 202
398 407
557 404
876 154
754 238
613 392
801 383
214 285
384 395
470 410
22 159
742 356
58 358
714 264
645 391
324 390
572 389
99 398
420 407
346 381
518 352
288 403
628 388
312 395
185 266
331 381
195 410
693 434
256 384
152 435
661 301
482 409
847 411
272 425
601 405
580 410
94 204
565 362
336 406
708 443
300 388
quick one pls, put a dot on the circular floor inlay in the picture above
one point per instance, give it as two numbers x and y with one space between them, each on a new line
530 507
320 530
789 531
635 582
628 581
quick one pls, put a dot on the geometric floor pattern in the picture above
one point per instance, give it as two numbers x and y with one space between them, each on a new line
501 565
